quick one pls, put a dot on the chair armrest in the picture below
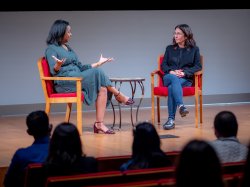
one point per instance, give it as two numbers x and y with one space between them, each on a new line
62 78
198 73
153 73
156 72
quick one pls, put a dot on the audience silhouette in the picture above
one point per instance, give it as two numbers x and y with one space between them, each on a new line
38 127
246 175
198 165
146 151
227 145
65 153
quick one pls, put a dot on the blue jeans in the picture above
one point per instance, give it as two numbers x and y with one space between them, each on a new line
175 93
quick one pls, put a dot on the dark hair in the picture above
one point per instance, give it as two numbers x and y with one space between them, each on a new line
65 145
146 151
190 42
225 124
245 182
198 165
38 124
146 139
57 32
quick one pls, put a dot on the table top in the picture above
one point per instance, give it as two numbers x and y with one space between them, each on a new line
126 79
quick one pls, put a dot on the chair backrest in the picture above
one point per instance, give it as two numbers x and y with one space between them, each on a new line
160 81
34 176
87 179
46 73
112 163
233 167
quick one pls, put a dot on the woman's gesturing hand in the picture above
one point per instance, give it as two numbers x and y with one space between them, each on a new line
58 63
103 60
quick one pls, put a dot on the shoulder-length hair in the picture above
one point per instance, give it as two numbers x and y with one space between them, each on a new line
146 140
65 145
190 42
57 32
198 165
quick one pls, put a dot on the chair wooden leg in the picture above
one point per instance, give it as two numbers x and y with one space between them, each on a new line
153 109
79 116
47 108
196 111
201 110
158 111
68 112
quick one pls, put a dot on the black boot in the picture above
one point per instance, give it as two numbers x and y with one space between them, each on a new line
169 124
183 111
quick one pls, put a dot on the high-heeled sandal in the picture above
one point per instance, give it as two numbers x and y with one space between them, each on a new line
96 130
128 102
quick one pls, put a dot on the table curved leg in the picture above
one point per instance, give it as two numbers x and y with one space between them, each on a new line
113 108
120 114
142 95
133 85
133 90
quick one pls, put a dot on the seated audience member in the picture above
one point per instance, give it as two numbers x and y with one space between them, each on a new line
66 156
146 151
227 146
38 127
198 166
246 176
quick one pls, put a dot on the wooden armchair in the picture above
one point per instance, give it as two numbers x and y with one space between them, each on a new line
159 90
52 97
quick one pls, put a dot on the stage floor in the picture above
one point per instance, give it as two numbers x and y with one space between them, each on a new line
13 131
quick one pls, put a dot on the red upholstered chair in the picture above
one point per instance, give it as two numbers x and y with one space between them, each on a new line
159 90
52 97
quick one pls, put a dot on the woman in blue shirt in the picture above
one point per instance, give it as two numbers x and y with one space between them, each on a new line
181 60
97 87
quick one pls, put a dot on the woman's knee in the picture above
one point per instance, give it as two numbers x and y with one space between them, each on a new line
169 78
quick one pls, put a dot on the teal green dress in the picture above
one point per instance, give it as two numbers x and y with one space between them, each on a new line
93 78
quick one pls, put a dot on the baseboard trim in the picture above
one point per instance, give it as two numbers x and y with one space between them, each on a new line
222 99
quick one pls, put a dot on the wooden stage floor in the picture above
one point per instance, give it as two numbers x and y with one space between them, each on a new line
13 130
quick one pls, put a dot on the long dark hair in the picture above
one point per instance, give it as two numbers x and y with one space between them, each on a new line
198 165
245 182
65 145
146 139
146 151
57 32
189 42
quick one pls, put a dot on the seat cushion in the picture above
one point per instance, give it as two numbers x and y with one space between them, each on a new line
163 91
71 94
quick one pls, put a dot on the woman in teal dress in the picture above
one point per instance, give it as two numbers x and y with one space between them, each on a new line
63 62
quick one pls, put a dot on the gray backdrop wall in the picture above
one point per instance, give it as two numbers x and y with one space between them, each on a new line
133 38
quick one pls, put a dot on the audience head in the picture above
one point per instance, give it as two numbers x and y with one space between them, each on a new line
146 151
38 124
198 165
146 139
65 144
246 176
225 124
